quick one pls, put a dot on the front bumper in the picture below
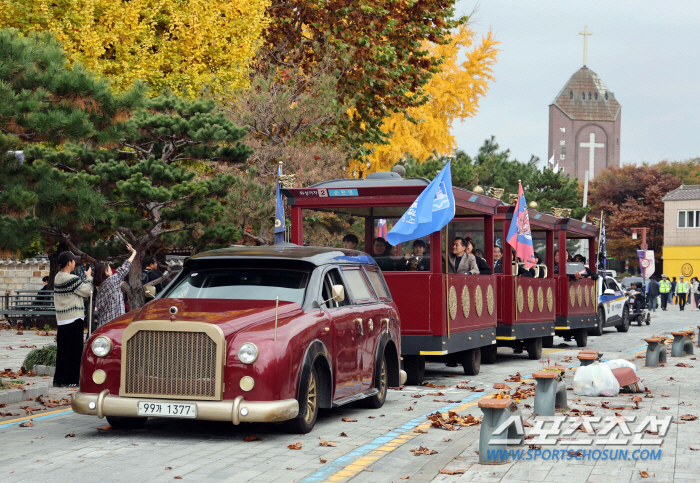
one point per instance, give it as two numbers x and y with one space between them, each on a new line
237 411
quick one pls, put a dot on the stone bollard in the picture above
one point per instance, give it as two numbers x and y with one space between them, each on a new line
656 352
586 358
679 339
688 344
497 413
698 334
549 392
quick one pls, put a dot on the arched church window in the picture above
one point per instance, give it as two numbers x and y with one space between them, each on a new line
606 96
571 94
583 96
589 96
596 96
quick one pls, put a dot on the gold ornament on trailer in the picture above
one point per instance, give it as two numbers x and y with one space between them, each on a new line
530 299
550 299
520 299
478 300
540 299
579 295
466 302
572 295
452 303
489 299
586 296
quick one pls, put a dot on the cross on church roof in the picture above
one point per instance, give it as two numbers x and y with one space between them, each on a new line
585 34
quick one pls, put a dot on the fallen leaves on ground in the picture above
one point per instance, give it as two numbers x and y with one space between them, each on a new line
448 401
533 446
252 437
348 420
423 450
70 435
688 417
399 388
683 364
464 386
527 424
435 394
692 449
344 435
30 410
501 385
416 395
27 347
323 442
409 408
177 477
322 460
445 440
453 422
515 378
27 424
665 408
4 415
434 386
168 467
645 474
296 445
420 430
605 405
452 472
105 428
666 395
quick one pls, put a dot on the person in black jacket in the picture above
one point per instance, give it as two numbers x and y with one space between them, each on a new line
498 257
151 273
653 292
589 273
484 268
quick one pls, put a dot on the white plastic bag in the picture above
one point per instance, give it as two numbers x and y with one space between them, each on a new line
618 363
595 380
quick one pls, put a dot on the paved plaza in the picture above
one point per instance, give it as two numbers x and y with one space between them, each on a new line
376 445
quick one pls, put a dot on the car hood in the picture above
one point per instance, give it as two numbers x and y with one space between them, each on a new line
230 315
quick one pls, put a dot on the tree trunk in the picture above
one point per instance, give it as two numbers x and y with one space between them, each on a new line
53 262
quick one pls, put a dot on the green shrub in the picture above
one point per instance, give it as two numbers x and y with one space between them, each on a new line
45 356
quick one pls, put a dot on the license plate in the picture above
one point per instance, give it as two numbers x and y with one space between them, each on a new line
167 409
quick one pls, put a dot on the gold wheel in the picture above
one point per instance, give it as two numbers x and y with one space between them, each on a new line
311 399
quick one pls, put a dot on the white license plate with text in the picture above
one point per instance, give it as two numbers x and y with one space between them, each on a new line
167 409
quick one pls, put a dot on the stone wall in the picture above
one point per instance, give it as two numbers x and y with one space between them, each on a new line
22 274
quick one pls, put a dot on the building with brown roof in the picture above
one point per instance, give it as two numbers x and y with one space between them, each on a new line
682 232
584 126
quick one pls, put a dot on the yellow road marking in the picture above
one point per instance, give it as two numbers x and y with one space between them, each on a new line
360 464
35 416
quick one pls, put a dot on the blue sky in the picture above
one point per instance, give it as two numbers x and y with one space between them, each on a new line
647 53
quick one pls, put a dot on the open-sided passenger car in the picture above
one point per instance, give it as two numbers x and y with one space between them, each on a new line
249 334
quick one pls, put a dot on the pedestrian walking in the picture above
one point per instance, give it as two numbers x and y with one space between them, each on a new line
664 290
652 293
695 291
682 289
672 299
69 292
109 303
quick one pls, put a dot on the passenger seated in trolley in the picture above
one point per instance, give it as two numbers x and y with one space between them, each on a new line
522 271
350 242
574 276
498 257
484 268
461 260
415 259
589 273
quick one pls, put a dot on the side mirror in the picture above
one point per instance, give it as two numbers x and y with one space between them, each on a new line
338 293
609 292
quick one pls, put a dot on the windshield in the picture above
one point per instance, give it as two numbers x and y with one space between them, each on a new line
243 284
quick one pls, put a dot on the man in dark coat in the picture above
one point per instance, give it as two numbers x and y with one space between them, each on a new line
653 292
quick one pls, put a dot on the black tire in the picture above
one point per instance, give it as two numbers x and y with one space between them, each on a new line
471 361
625 326
581 337
639 320
548 342
308 405
381 382
648 319
126 423
489 354
415 369
534 348
598 331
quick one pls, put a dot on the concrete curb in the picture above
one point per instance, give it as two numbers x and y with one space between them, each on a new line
45 370
11 396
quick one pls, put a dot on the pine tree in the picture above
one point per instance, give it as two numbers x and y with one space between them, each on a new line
141 168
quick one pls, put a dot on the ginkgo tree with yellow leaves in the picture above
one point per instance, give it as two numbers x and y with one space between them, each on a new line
183 45
454 95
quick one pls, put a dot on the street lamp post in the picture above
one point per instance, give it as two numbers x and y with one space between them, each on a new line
643 247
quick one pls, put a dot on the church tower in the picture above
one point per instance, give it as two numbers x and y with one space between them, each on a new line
584 124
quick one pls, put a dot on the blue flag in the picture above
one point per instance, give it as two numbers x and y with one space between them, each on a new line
434 208
279 212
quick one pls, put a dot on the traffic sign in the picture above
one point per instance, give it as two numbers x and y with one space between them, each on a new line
645 263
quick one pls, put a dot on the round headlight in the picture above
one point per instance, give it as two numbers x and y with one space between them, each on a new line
248 353
102 346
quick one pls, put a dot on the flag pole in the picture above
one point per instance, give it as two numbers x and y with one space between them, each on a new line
447 281
515 259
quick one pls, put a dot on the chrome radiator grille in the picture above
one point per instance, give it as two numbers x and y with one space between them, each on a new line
171 363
